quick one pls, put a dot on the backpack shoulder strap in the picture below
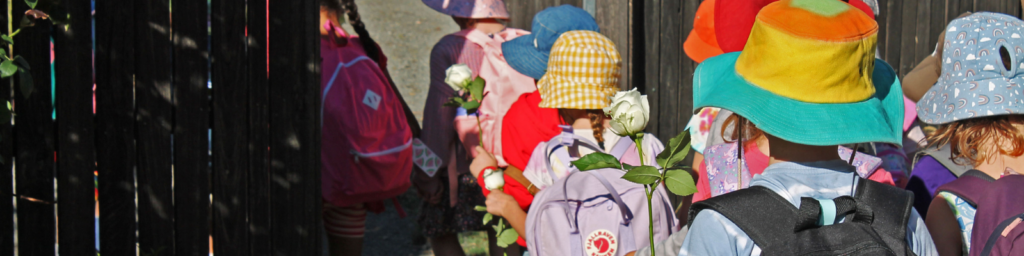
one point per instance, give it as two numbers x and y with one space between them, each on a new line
891 206
969 187
766 217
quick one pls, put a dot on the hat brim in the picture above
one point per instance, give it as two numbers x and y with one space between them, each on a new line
938 105
522 56
876 119
697 49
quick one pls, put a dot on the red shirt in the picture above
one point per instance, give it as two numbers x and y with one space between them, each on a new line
525 125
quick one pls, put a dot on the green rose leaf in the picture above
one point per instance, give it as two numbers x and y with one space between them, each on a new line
643 175
21 62
3 53
8 68
487 218
480 208
471 106
680 182
7 39
454 101
31 3
476 88
507 237
596 160
26 82
677 150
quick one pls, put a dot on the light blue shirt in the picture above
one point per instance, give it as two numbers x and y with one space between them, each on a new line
713 234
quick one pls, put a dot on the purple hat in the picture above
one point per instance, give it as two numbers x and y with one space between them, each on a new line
975 82
473 9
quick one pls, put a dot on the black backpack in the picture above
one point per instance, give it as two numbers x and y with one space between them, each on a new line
876 221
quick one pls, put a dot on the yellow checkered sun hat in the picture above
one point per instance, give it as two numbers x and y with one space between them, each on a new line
583 72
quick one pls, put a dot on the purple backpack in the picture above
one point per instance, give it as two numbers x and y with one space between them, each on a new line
721 162
996 229
595 212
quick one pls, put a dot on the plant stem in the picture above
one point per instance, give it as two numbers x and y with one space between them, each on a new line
638 140
480 131
650 217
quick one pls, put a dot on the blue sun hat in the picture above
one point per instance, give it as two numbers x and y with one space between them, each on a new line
975 82
529 54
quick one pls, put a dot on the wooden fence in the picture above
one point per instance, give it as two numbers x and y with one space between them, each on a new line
649 35
162 140
148 128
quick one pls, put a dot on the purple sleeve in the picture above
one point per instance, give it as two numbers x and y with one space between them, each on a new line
438 128
926 177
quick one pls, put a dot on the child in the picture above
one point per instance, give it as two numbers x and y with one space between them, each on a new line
453 192
354 67
579 103
977 104
526 124
779 69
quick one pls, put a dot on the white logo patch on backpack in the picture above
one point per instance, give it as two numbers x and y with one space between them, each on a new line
601 242
371 99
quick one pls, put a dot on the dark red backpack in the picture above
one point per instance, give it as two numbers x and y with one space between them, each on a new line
1000 210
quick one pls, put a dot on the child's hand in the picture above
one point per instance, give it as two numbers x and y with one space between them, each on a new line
498 201
483 160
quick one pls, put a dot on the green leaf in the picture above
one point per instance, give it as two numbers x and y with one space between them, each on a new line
21 62
596 160
680 182
8 68
3 54
677 150
507 237
643 175
26 82
454 101
497 228
31 3
480 208
487 218
7 39
476 88
471 106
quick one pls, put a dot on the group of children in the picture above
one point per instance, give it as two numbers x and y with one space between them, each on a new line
806 141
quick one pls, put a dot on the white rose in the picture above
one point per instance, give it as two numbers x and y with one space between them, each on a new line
494 179
458 76
629 112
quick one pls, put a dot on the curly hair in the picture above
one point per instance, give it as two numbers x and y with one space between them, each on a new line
981 140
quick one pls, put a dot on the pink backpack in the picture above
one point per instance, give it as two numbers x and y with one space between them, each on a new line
504 85
366 151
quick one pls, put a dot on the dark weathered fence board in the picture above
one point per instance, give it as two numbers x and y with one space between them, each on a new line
115 133
34 138
670 65
230 127
76 156
294 128
7 165
908 40
191 129
613 19
651 57
260 204
154 118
